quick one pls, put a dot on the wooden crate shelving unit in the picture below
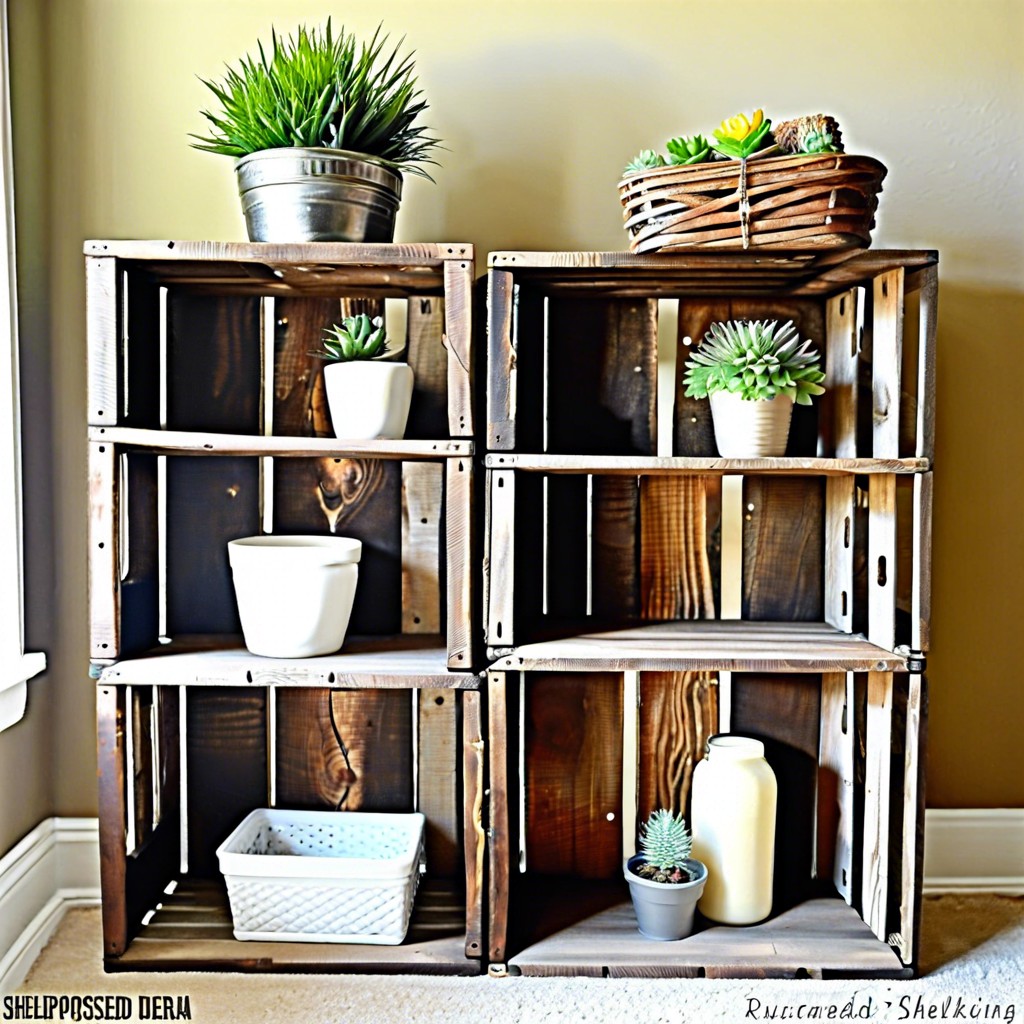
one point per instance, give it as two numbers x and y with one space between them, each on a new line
643 593
207 421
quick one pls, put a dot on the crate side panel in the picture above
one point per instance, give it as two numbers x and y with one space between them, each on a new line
602 376
573 757
344 749
209 502
785 712
783 548
359 498
214 363
226 732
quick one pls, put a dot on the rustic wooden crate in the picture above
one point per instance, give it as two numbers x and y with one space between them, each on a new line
158 567
181 764
579 756
573 348
596 548
217 337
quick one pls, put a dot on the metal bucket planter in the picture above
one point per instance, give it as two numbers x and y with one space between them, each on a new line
295 194
665 911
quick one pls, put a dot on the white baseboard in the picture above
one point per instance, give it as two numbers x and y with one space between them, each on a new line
56 866
974 850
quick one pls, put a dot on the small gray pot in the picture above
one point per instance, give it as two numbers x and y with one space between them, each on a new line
665 911
296 194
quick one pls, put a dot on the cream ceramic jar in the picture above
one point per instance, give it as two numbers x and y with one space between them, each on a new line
733 820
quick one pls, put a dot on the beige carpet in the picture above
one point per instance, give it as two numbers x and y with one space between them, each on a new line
972 962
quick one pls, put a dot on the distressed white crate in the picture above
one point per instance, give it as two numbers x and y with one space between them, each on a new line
323 876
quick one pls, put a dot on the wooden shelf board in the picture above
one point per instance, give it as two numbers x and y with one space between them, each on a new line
706 271
708 645
819 935
188 442
378 662
192 931
308 268
637 465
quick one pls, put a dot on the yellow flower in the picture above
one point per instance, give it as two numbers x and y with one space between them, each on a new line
739 127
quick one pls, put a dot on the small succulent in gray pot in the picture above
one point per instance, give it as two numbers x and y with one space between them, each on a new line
665 882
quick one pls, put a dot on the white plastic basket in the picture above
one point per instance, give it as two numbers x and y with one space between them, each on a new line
323 876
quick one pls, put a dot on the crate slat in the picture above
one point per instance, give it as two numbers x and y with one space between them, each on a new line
459 562
437 777
835 820
458 283
422 495
474 835
629 465
875 855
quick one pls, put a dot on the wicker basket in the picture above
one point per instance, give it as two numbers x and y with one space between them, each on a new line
323 876
824 200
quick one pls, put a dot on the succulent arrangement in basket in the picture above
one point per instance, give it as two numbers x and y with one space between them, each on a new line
750 182
369 396
322 129
742 137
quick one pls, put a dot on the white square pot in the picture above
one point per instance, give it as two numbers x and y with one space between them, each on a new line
294 593
369 398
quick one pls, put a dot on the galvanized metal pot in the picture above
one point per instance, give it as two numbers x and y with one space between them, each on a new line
296 194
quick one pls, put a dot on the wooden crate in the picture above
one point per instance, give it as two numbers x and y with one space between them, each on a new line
642 593
207 421
184 755
574 353
579 756
216 336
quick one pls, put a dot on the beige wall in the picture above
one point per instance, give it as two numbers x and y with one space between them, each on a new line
540 104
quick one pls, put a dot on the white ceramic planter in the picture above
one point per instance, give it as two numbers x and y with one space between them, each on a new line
750 430
294 593
368 398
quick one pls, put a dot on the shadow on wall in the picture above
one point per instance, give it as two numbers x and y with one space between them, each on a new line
977 705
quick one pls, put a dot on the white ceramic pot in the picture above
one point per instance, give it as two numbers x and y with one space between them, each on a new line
368 398
750 430
294 593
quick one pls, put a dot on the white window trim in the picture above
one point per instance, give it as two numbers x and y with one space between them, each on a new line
16 667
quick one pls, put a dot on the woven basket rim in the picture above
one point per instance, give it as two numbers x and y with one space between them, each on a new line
711 169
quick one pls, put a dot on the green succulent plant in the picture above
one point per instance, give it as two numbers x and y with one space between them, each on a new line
757 360
739 137
356 337
665 840
644 160
320 89
688 149
820 142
